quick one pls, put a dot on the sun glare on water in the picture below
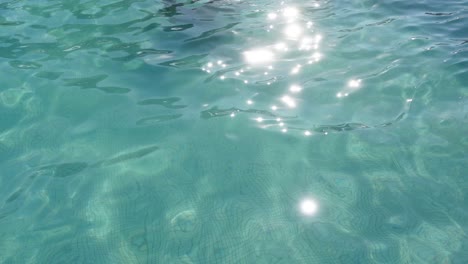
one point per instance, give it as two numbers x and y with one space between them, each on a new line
308 207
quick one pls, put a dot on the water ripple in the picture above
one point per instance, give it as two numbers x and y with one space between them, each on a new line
231 131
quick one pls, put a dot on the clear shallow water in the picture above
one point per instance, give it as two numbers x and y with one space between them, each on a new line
335 132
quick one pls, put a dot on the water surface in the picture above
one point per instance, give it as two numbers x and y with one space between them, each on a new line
233 131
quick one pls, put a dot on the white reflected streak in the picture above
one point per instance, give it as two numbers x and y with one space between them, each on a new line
295 88
308 207
354 83
287 100
281 46
272 16
306 44
259 56
290 12
316 56
318 38
341 94
293 31
296 69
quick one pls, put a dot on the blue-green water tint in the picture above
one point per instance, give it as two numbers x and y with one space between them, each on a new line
142 131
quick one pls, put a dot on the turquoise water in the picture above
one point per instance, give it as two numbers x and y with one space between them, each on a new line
233 131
